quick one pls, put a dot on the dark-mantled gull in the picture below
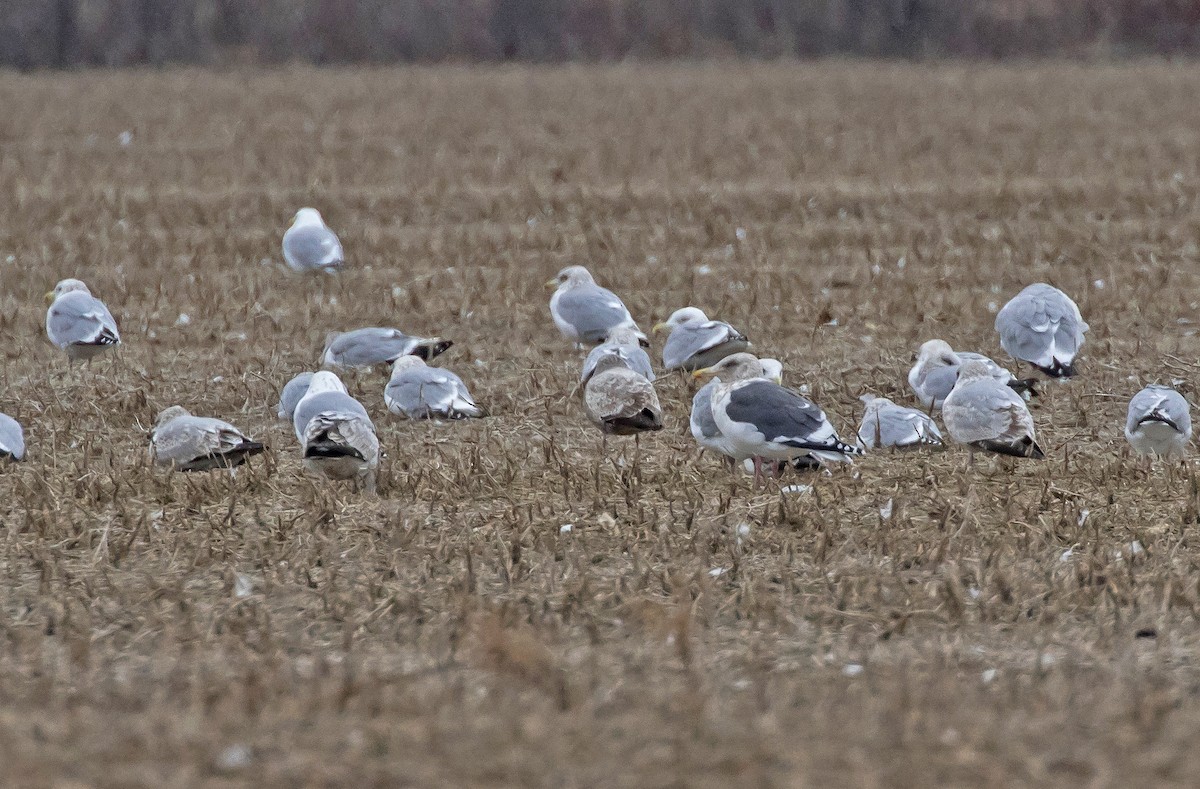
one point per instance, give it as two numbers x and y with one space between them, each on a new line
886 424
762 420
1159 422
985 414
695 341
78 322
936 370
584 312
293 390
336 433
622 343
309 245
417 391
12 439
366 348
620 401
197 443
1042 326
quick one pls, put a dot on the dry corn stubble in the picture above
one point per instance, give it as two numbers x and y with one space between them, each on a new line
686 630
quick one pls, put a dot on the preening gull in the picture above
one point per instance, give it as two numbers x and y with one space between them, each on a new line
1042 326
1159 422
308 245
985 414
584 312
78 322
695 341
12 439
762 420
196 443
335 432
622 343
291 394
365 348
620 401
886 424
936 370
417 391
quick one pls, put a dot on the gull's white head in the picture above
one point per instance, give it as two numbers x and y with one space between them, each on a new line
407 363
973 370
167 414
682 316
936 353
738 367
773 369
69 286
308 217
325 381
572 276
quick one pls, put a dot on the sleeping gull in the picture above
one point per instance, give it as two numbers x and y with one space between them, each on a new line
365 348
196 443
584 312
695 341
619 401
291 394
335 432
1042 326
936 370
622 343
985 414
308 245
1159 422
762 420
417 391
885 424
12 439
78 322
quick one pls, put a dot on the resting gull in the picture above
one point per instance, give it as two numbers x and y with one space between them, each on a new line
622 343
291 394
584 312
196 443
1042 326
12 439
308 245
366 348
417 391
620 401
936 370
78 322
1159 422
695 341
335 432
886 424
985 414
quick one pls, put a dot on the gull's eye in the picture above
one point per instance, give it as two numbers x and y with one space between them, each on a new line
947 360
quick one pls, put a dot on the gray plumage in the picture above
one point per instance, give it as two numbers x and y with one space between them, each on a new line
335 432
1041 325
1159 422
985 414
291 394
195 443
696 342
933 375
366 348
584 312
703 425
886 424
417 391
12 439
79 323
623 344
308 245
619 401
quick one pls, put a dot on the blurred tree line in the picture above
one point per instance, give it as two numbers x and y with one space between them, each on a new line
63 33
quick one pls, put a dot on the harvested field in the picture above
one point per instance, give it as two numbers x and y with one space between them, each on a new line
908 622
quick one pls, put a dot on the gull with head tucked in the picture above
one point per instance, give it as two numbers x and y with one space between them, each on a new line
1159 422
335 432
308 245
985 414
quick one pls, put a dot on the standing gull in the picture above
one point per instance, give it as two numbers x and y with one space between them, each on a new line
366 348
695 341
78 322
762 420
936 370
1042 326
12 439
417 391
196 443
291 394
886 424
619 401
308 245
702 423
623 344
985 414
584 312
1159 422
335 432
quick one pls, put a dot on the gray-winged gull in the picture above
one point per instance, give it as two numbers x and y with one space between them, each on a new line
336 433
886 424
1042 326
695 341
12 439
293 390
197 443
309 245
985 414
417 391
936 369
1159 422
584 312
620 401
366 348
622 343
78 322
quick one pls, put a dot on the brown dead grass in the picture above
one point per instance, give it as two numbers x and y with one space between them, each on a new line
449 634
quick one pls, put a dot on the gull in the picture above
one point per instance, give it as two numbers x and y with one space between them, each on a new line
985 414
291 394
417 391
766 422
886 424
695 341
936 370
1042 326
620 401
335 432
78 322
366 348
622 343
196 443
1159 422
584 312
308 245
12 439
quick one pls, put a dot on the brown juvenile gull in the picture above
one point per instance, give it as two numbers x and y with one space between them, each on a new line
335 432
196 443
695 341
985 414
78 322
584 312
619 401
